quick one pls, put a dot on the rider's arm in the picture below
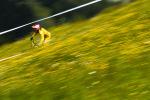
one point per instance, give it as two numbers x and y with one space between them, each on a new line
32 36
47 33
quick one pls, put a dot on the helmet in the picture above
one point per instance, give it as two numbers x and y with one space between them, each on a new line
36 26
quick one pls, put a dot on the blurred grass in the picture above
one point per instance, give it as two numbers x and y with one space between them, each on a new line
103 58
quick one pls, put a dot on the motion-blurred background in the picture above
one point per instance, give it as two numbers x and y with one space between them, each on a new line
100 52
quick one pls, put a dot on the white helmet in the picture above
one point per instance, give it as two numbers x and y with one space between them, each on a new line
36 26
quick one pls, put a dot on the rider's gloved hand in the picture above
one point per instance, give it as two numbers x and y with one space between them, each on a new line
31 38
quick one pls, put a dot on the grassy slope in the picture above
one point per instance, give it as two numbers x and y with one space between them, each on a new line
104 58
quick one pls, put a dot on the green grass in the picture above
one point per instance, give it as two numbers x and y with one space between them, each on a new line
103 58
